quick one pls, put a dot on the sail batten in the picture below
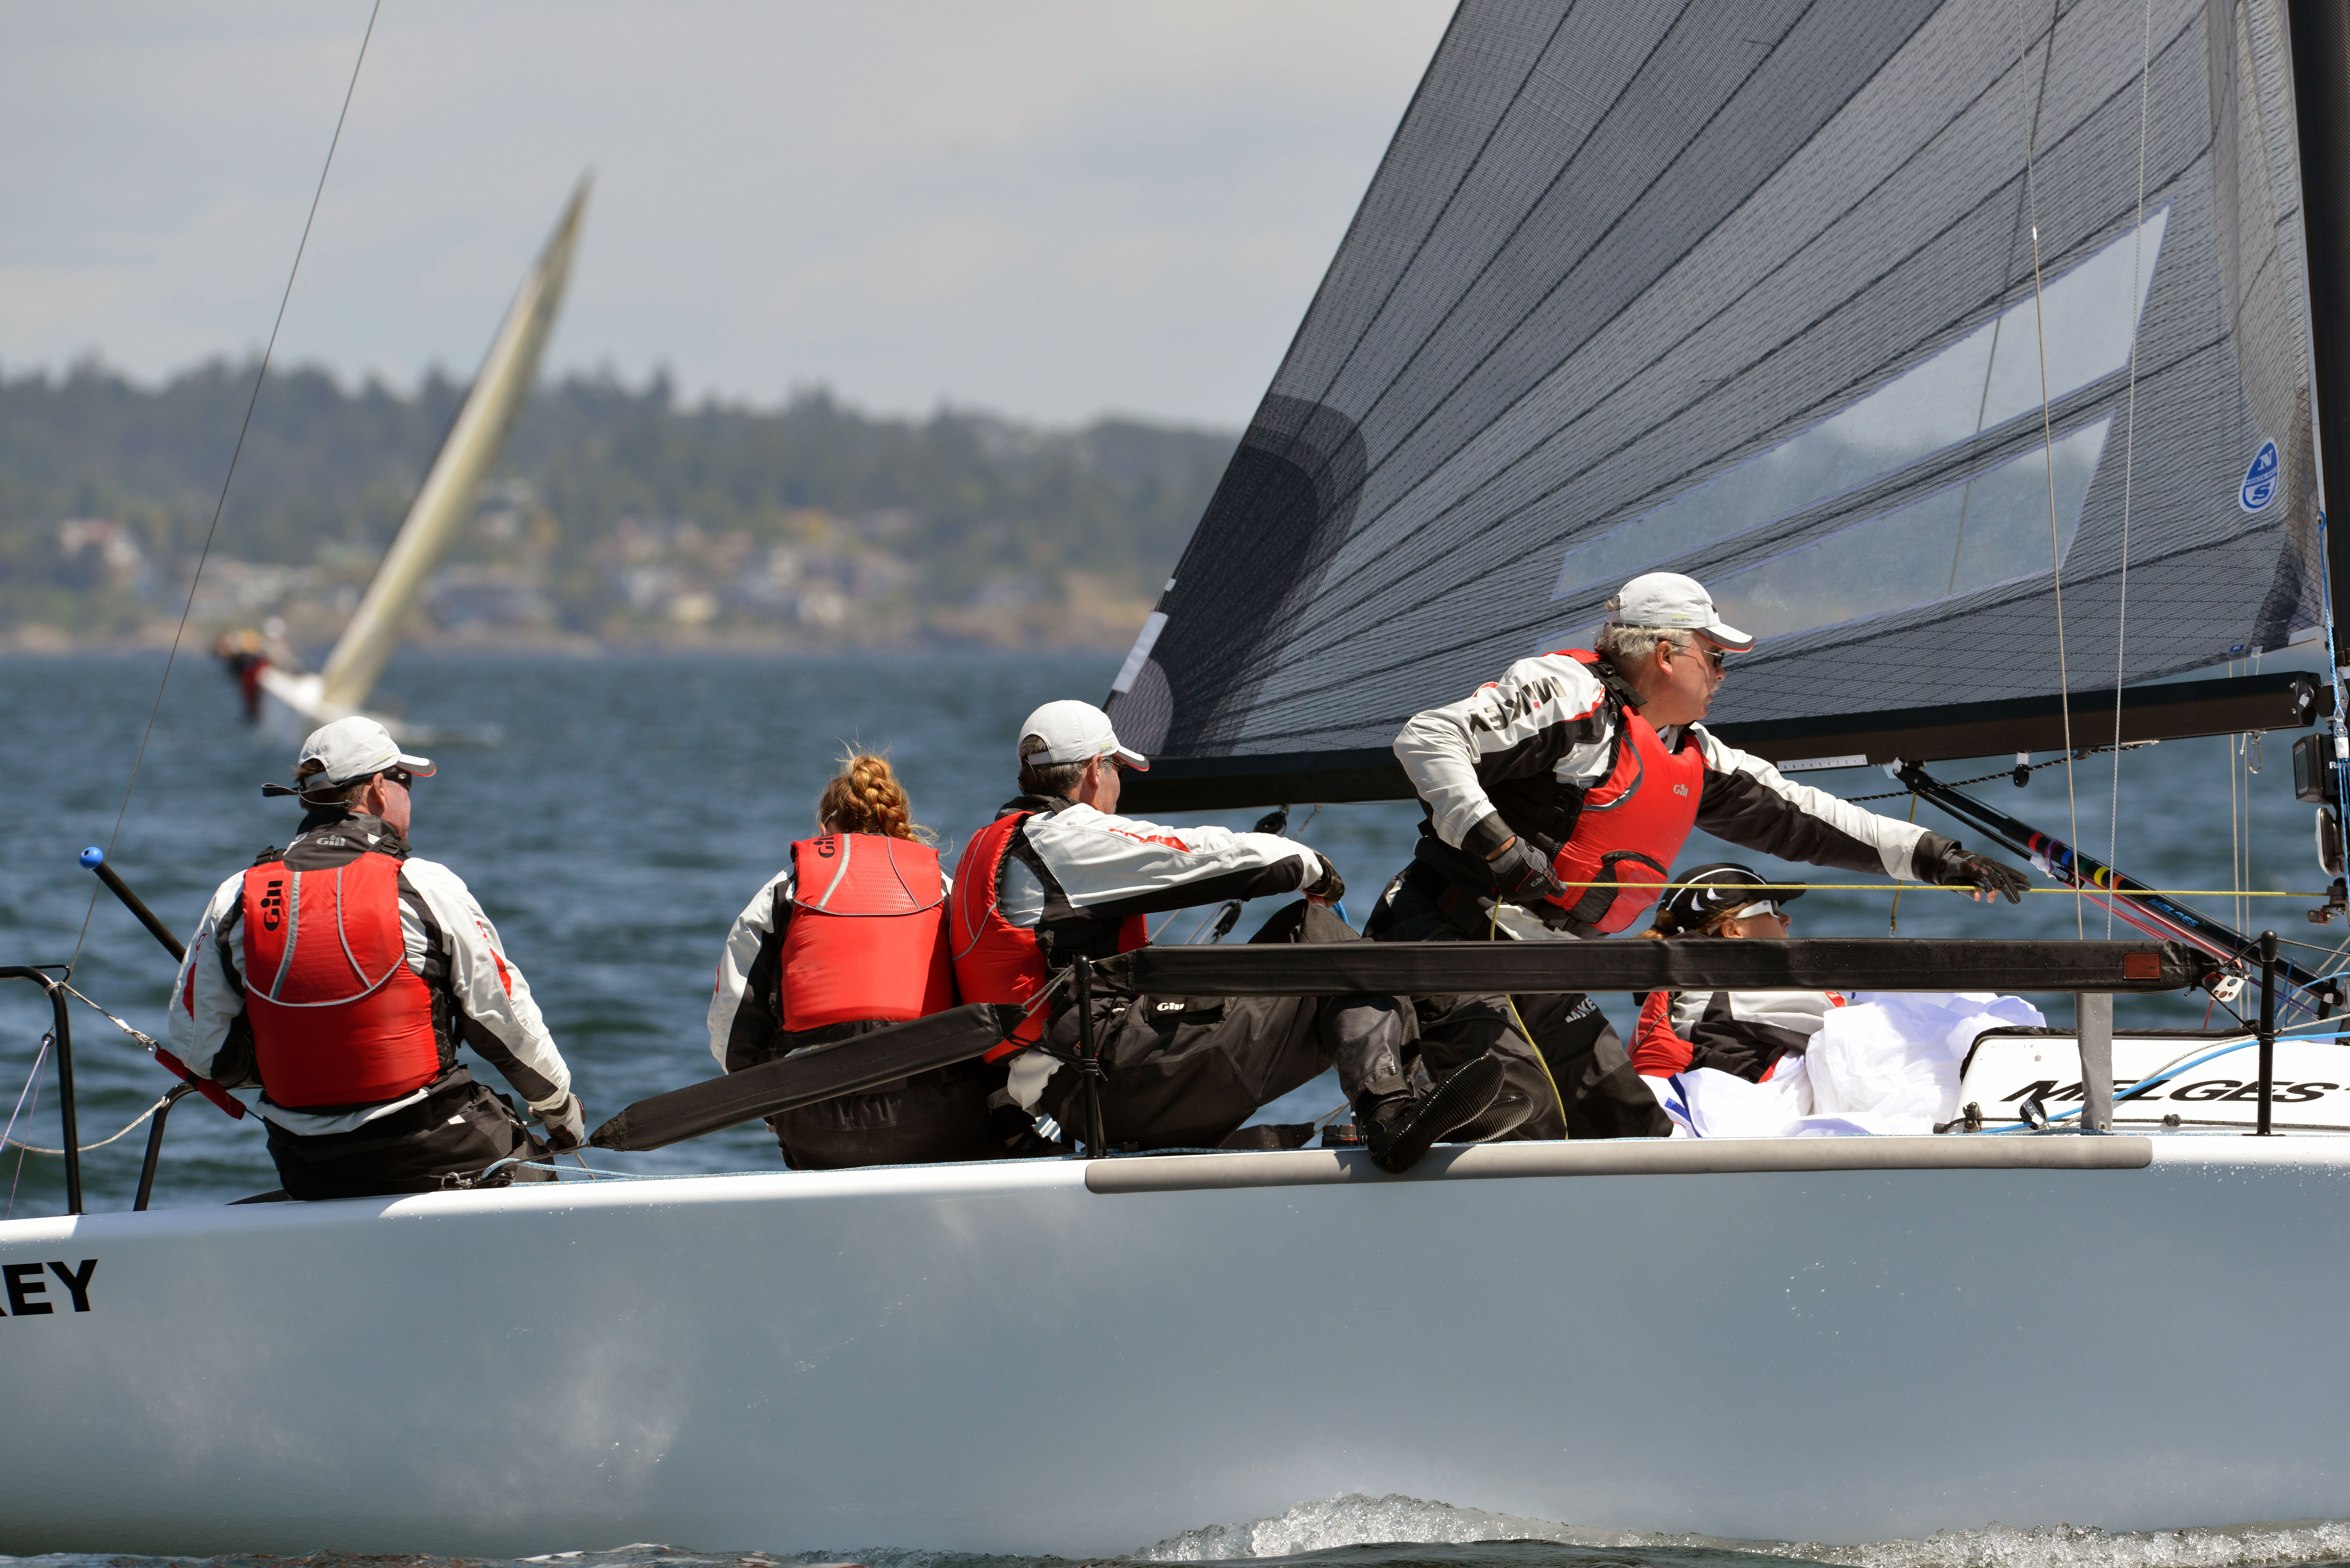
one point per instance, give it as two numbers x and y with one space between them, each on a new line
1749 292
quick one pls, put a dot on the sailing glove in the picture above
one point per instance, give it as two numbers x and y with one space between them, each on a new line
1521 874
566 1125
1963 869
1331 887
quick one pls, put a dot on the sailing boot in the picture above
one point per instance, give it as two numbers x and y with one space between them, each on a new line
1511 1107
1400 1127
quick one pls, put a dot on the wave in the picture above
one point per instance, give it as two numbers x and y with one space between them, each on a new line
1398 1532
1356 1521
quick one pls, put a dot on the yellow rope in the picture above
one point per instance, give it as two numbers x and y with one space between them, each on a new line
1897 888
1893 916
1493 933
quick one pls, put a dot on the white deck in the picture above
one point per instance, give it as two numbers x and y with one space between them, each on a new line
1002 1358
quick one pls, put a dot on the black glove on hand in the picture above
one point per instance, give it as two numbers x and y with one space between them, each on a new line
1331 887
1964 869
1521 876
566 1125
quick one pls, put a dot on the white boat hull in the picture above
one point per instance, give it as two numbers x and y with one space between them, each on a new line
1649 1335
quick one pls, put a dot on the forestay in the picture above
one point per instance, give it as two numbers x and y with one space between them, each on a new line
1749 292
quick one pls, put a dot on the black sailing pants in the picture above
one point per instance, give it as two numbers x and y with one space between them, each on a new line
943 1115
1188 1072
461 1127
1598 1095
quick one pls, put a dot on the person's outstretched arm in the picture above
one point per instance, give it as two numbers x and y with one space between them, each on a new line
1545 716
1107 868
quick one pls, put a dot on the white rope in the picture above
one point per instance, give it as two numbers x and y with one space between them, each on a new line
126 1132
2048 440
32 1088
2130 451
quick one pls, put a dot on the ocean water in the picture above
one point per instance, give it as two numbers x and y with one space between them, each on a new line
614 814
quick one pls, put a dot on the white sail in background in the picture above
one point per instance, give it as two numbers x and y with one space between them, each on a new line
446 499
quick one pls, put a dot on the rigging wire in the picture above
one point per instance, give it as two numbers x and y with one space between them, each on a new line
2048 428
32 1089
2129 450
260 376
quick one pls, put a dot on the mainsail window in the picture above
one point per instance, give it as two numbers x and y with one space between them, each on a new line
1977 534
1985 379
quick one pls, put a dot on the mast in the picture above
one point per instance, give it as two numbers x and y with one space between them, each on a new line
2321 90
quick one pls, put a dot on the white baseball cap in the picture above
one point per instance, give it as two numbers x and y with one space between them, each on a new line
349 750
1668 598
1076 731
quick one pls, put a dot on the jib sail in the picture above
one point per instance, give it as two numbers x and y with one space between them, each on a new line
1752 292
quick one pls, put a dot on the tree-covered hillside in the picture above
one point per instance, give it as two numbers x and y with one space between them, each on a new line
615 513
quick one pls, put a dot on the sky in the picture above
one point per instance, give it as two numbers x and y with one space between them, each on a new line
1051 210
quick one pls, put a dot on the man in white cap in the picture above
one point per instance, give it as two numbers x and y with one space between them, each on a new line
342 975
1556 798
1060 877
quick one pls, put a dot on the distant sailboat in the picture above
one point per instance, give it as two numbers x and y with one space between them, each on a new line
299 699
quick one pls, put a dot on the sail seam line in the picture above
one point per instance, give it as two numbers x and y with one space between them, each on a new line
1339 611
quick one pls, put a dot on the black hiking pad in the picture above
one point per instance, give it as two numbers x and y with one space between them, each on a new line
822 1072
1830 963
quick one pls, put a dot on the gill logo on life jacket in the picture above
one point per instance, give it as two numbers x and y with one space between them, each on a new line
1680 789
273 903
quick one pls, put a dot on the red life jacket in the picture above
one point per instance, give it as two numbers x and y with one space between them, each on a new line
338 1018
995 961
1631 825
867 937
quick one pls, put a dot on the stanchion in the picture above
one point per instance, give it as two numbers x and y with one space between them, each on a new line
2093 1012
155 1143
63 1031
1088 1059
2268 1026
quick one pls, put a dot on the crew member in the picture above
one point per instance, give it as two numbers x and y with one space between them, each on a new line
1059 877
848 937
1554 799
1745 1033
241 656
341 974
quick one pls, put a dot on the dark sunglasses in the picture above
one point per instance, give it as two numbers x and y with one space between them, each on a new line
1718 657
399 777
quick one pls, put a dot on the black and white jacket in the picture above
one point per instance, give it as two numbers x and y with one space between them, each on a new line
1516 757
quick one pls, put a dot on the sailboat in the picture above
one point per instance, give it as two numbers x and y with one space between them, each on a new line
296 701
1894 321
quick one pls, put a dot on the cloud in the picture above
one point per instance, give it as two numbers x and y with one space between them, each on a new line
1048 209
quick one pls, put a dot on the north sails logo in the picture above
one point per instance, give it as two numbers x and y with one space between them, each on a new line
2260 485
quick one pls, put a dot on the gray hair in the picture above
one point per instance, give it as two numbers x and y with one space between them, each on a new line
1631 645
1046 778
319 796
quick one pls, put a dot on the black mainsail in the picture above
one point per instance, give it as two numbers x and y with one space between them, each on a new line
1859 311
